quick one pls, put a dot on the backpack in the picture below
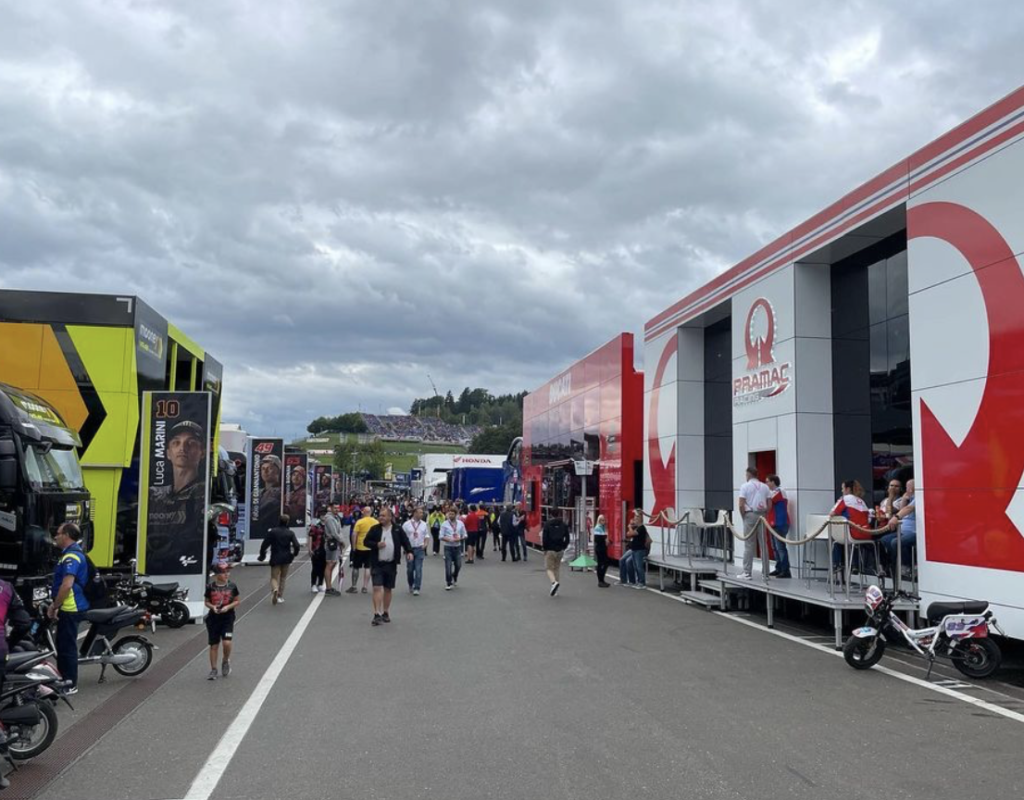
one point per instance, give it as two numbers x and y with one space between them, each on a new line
94 588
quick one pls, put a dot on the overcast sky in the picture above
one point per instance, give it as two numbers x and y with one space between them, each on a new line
338 198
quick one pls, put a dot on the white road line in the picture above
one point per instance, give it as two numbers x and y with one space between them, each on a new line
216 765
974 701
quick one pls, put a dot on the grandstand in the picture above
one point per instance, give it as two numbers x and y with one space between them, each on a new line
407 428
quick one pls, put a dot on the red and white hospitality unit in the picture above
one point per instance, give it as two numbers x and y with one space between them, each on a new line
882 338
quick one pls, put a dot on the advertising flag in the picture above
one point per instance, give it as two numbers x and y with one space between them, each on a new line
296 468
323 478
265 489
174 493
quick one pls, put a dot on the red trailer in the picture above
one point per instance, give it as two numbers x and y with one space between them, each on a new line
592 411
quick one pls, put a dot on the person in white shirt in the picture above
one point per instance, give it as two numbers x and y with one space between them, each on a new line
453 534
386 541
753 507
418 532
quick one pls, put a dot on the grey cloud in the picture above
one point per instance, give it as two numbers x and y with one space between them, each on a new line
337 198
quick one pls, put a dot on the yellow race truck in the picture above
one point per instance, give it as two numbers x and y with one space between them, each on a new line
91 357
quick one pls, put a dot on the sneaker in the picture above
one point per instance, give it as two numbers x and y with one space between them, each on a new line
639 585
376 620
351 590
415 592
364 590
212 676
225 668
386 617
448 588
603 585
71 690
280 600
554 588
273 598
314 590
745 576
410 590
333 593
784 575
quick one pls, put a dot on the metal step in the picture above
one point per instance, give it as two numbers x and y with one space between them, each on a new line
711 585
702 598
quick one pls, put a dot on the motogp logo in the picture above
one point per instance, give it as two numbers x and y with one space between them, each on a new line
188 561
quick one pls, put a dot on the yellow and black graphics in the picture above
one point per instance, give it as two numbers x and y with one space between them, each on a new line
92 357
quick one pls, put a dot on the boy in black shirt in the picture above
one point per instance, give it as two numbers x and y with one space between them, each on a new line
222 598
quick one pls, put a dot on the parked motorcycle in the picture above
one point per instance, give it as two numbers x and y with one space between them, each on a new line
165 600
130 655
961 635
31 689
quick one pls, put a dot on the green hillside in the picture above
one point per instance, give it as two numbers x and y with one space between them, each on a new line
402 455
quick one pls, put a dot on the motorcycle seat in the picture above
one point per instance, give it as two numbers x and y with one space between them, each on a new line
102 615
940 610
166 589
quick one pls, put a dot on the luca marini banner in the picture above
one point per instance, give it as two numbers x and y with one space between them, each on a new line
174 490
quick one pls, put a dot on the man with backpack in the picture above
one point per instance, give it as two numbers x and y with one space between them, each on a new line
70 578
333 549
555 538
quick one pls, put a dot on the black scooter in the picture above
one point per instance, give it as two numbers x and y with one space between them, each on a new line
130 655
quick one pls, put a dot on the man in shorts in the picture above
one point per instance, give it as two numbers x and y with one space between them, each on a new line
334 549
222 598
360 552
386 541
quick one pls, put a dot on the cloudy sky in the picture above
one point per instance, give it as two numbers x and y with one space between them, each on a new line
339 198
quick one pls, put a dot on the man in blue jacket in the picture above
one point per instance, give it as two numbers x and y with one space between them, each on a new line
69 603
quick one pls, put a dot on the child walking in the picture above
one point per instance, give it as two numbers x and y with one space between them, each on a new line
222 598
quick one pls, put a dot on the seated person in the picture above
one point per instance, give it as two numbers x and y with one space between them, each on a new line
852 506
905 521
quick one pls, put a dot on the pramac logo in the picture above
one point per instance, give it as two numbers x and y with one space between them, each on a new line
766 377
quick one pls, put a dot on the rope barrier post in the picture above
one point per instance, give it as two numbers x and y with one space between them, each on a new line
762 536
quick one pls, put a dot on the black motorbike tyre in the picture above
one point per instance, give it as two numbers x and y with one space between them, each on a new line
859 656
49 723
981 659
131 671
175 615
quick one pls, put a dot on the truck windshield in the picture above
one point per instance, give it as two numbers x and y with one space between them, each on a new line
55 469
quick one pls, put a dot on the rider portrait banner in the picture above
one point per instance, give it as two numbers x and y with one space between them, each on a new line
174 477
322 488
295 483
265 485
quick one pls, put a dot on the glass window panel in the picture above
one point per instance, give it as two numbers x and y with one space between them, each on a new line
898 288
851 379
877 289
849 299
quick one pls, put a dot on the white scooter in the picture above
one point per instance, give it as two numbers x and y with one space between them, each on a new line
962 635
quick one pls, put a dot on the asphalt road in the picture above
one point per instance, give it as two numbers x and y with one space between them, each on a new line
497 690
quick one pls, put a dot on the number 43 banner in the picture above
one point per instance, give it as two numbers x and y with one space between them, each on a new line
174 485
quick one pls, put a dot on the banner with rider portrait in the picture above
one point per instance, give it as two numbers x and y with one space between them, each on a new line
323 479
174 491
265 485
295 488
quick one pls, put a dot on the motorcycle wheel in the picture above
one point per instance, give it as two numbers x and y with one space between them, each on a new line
28 741
863 653
977 658
175 615
140 648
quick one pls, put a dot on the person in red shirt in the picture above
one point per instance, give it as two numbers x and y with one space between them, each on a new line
483 523
852 506
472 523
